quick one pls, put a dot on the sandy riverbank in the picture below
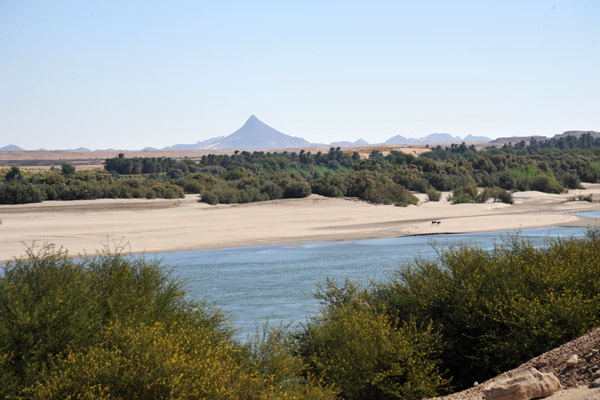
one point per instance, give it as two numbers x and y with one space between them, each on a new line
178 225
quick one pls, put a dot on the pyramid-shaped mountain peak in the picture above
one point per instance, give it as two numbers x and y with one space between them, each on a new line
253 121
255 134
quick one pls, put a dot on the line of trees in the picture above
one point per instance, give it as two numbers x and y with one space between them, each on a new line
19 187
548 166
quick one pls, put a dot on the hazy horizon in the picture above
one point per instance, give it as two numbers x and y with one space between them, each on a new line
107 74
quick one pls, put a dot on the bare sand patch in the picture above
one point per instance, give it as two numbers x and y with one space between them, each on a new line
177 225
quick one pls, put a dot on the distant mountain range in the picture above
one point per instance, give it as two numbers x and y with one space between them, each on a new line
255 134
437 138
471 138
398 139
359 142
199 145
14 147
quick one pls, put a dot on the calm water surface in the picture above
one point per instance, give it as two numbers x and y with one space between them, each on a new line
277 282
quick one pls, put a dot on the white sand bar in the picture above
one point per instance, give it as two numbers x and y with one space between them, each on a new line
177 225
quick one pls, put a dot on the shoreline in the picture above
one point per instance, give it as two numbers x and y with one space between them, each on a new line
299 244
143 226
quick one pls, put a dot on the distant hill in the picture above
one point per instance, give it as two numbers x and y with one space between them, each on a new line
182 146
517 139
401 139
255 134
471 138
359 142
594 134
342 143
433 138
78 149
440 138
198 145
12 147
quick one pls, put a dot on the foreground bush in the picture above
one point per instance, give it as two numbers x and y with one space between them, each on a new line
496 310
440 325
122 327
367 356
114 326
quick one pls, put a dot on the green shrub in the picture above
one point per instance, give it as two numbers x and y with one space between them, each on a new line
329 186
209 198
192 187
18 192
529 177
433 195
272 190
164 362
504 196
296 189
589 198
496 193
67 169
121 327
522 177
496 310
235 174
367 356
463 194
14 174
49 303
546 184
378 189
175 173
571 181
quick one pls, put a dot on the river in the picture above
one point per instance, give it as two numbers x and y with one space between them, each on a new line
278 282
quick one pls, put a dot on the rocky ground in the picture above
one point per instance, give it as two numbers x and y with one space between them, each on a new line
575 373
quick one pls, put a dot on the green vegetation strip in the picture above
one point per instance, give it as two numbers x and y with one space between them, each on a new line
550 166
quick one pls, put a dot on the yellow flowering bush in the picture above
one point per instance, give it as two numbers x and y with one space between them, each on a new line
159 362
121 327
367 356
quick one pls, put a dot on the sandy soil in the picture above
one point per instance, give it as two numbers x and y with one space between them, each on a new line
186 224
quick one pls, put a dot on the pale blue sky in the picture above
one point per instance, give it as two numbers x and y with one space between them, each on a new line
129 74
